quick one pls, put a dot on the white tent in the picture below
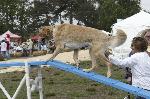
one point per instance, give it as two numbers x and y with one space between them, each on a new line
132 26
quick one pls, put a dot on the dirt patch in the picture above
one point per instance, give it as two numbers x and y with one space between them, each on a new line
66 57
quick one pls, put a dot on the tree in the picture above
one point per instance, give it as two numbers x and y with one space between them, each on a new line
87 13
111 10
25 17
15 16
99 14
8 14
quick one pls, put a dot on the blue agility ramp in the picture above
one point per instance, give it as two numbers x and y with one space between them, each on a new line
101 79
89 75
11 64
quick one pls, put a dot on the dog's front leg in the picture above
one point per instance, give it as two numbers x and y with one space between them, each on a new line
56 52
75 57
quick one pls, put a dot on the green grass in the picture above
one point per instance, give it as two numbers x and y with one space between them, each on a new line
59 84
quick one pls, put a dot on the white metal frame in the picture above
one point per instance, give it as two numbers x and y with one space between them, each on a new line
31 85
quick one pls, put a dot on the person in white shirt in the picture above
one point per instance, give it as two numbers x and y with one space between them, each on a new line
3 48
147 37
30 46
139 63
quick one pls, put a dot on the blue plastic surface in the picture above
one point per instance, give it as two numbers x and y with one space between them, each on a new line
90 75
102 79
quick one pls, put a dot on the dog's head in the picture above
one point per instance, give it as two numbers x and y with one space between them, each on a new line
46 31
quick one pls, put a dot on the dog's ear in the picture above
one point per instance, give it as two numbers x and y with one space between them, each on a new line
40 30
43 31
46 31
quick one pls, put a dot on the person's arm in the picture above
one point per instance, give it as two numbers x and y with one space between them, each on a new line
127 62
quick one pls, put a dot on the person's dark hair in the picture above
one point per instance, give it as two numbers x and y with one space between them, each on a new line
3 40
140 44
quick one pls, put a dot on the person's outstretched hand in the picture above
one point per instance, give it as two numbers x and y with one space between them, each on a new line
108 52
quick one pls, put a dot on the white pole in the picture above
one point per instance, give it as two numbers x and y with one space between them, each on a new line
19 87
27 71
40 83
4 90
34 84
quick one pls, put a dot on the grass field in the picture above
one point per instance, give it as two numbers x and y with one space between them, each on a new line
59 84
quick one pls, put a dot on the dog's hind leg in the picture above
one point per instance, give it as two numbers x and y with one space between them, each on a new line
75 57
93 59
109 65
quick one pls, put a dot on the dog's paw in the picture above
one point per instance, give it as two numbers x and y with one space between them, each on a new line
77 64
48 60
86 70
77 67
109 74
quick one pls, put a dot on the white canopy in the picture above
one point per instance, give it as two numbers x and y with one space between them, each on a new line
132 26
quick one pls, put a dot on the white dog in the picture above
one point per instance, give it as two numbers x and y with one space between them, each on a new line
74 37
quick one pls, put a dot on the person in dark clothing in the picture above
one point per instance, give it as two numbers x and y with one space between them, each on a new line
128 75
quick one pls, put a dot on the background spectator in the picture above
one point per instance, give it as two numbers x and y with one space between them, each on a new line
30 46
4 49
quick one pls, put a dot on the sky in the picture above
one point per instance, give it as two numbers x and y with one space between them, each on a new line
145 4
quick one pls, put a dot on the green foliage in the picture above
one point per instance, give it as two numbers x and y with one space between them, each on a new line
25 17
111 10
14 16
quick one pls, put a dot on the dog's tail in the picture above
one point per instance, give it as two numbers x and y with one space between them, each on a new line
119 39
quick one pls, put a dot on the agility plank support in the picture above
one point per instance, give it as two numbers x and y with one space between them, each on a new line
89 75
26 79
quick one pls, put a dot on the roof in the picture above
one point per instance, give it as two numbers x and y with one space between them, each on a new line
137 20
36 37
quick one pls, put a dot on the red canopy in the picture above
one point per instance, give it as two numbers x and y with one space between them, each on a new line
36 37
10 34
